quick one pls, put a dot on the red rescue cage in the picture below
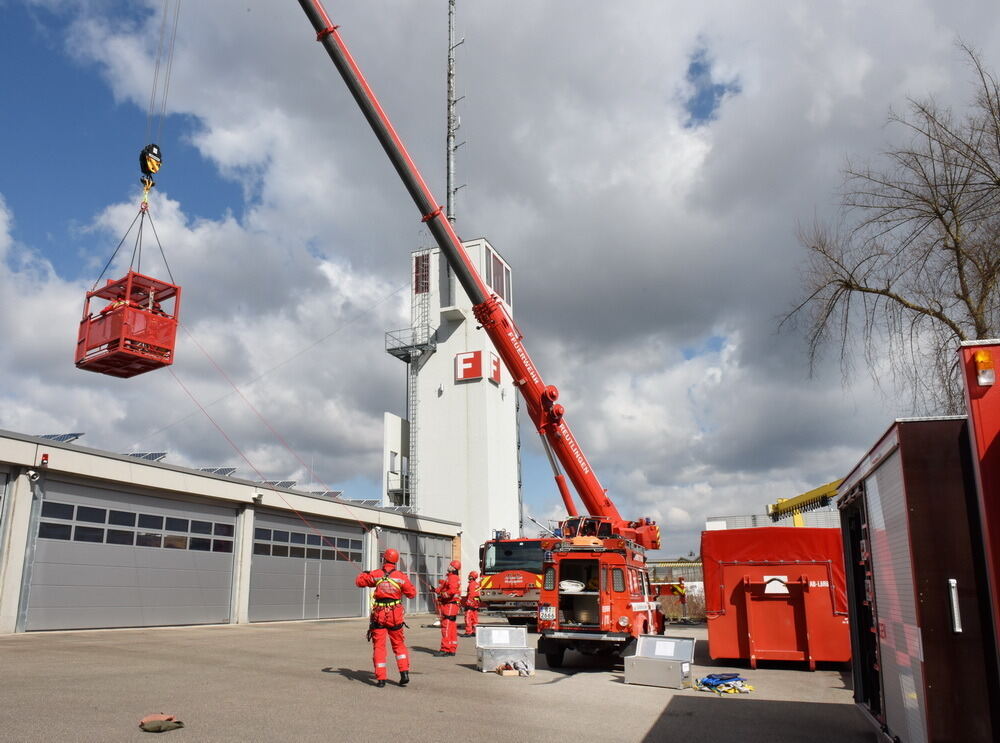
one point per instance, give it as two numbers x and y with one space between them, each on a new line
134 332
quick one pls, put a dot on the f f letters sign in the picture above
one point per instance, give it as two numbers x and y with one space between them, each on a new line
468 365
494 368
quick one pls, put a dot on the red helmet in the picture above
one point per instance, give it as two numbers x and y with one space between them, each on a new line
473 574
455 565
390 556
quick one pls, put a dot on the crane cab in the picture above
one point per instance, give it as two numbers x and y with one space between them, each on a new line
586 526
129 326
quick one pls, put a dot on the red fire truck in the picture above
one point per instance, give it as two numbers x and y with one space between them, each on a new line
511 571
595 594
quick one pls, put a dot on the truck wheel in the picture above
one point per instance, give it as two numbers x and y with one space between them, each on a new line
554 657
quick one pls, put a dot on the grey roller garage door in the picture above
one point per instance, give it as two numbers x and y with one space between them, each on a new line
106 558
304 570
424 558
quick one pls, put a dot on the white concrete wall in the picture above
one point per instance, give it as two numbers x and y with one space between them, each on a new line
395 440
240 603
467 438
15 542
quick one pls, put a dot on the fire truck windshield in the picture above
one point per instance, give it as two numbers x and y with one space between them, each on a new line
520 555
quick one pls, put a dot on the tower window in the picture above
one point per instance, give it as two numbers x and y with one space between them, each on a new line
498 286
422 274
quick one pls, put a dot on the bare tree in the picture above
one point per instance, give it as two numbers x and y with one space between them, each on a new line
914 265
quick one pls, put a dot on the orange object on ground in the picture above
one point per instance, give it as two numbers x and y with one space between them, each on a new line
159 723
157 717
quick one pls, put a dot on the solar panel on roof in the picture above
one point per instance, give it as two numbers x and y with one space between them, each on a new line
148 456
328 493
281 483
225 471
63 438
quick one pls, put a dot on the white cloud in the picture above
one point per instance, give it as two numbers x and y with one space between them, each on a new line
291 331
631 237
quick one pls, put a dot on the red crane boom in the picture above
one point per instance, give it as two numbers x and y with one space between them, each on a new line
540 399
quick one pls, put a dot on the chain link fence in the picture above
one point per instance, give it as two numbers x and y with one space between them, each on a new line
676 608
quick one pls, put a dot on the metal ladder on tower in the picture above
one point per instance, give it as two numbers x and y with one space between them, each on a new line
422 343
413 345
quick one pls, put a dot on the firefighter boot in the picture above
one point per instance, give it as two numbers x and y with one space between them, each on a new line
380 683
404 678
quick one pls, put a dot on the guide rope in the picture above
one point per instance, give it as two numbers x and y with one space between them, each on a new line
308 524
120 242
150 157
136 260
156 112
150 161
253 380
323 537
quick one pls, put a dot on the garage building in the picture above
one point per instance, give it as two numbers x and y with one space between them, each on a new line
91 539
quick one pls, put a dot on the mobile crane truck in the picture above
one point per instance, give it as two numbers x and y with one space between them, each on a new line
595 594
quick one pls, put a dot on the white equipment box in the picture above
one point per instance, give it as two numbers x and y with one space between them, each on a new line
661 661
496 646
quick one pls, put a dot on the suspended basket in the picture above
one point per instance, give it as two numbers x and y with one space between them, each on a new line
134 332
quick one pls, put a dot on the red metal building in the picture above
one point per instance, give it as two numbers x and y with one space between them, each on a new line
978 362
920 624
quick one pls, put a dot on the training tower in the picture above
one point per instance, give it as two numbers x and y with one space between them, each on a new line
455 454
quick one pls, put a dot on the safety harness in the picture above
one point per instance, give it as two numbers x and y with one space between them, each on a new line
385 603
472 597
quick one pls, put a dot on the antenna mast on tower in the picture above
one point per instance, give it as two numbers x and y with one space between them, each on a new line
454 122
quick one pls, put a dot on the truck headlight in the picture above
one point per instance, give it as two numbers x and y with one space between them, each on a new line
547 613
623 621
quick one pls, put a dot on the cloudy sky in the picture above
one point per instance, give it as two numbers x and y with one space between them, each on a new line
643 166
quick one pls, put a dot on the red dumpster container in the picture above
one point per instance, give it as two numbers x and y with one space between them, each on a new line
776 593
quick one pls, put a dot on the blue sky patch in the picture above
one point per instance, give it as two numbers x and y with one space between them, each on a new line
703 103
69 150
712 344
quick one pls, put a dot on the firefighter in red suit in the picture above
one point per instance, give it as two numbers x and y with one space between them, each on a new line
471 604
437 605
391 586
449 594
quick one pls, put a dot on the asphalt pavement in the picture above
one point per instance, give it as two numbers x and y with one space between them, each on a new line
312 681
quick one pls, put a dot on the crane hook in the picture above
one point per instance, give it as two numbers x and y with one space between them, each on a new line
150 161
